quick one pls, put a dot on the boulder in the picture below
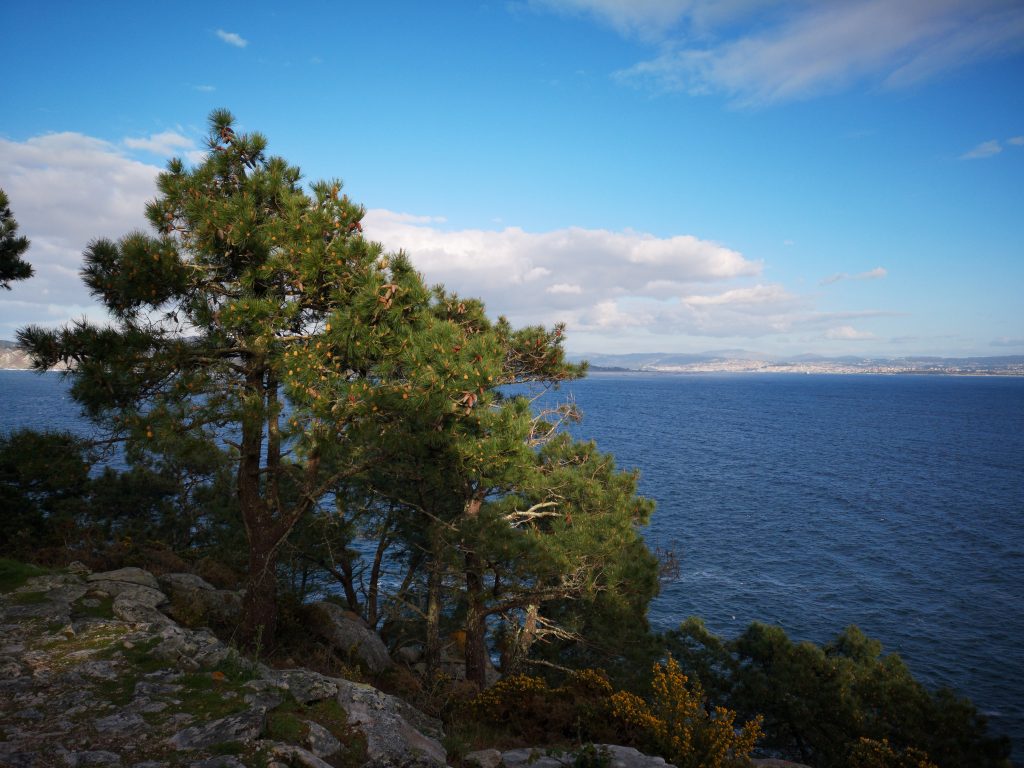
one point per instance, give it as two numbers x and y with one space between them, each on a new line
244 727
348 634
194 601
484 758
127 576
395 732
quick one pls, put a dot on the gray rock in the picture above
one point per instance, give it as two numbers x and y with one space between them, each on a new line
306 686
189 649
125 576
244 727
96 757
297 756
320 741
78 568
224 761
350 635
174 581
391 739
620 757
120 722
196 601
485 758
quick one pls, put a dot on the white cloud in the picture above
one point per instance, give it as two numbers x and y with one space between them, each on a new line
848 333
232 38
648 18
565 288
205 88
1017 141
765 51
983 150
611 288
872 274
542 276
754 295
164 144
66 189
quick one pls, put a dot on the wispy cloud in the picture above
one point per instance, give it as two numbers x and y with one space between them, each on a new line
848 333
872 274
991 148
205 88
232 38
164 143
983 150
1007 341
767 51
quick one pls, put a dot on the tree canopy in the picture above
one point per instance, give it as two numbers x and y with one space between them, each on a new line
256 322
12 247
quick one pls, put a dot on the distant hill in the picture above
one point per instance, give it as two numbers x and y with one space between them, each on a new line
732 361
744 361
12 358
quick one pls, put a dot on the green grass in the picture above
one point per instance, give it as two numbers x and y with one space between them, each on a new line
104 609
287 722
14 574
28 598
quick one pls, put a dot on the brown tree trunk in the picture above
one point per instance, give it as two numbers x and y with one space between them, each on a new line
476 627
476 616
259 608
432 639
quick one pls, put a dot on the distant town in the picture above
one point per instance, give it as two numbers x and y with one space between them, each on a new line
737 361
745 362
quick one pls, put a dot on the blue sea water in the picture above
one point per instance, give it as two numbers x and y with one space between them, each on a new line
892 502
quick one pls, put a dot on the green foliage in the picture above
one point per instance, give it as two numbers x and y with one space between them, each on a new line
14 574
44 482
12 247
819 703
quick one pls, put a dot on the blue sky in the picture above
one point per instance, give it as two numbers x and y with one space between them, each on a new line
842 177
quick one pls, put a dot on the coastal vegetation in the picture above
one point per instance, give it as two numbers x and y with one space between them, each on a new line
301 416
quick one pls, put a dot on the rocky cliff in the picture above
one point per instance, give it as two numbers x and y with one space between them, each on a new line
93 672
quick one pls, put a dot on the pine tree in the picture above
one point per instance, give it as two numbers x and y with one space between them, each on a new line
258 319
12 246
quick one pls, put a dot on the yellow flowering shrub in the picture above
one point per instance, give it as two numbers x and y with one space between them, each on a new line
868 753
677 726
675 723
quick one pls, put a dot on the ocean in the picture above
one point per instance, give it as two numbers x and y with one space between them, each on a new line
895 503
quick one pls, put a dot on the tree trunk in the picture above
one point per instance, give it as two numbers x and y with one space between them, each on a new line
476 616
259 608
476 627
432 639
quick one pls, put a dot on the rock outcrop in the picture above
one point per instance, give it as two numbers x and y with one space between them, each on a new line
349 635
93 672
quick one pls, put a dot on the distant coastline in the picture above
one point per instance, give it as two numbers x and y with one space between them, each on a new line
14 359
805 364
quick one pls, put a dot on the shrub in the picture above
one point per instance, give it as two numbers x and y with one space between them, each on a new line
678 725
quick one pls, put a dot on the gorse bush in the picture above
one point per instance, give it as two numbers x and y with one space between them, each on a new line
677 724
674 722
